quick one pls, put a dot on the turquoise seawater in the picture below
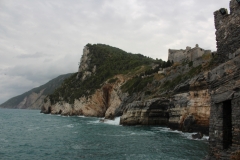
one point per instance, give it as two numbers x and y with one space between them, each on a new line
28 135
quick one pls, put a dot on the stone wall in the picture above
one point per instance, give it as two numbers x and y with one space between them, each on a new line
224 127
176 55
187 54
228 31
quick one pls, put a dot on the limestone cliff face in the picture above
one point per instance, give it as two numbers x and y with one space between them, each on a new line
150 112
102 103
84 67
139 100
96 89
188 109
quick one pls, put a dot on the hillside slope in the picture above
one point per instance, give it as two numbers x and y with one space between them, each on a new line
33 99
111 82
95 89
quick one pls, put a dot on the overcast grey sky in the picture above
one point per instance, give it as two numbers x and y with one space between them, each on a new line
41 39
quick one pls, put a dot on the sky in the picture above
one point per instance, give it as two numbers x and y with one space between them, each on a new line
41 39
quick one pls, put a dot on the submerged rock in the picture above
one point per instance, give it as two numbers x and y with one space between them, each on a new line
199 135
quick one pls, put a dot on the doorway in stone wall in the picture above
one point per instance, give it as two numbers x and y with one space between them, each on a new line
227 124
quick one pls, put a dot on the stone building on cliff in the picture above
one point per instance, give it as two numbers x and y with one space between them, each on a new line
224 85
189 53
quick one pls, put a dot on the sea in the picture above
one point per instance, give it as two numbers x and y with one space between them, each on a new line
31 135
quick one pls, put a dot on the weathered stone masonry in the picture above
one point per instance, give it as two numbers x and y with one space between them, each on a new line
189 53
224 82
228 31
224 128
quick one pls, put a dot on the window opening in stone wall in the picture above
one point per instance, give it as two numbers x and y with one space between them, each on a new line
227 124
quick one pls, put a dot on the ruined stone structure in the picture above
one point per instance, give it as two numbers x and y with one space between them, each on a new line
228 31
189 53
224 82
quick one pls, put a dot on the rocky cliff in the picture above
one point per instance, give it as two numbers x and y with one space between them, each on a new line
102 103
178 97
96 89
186 107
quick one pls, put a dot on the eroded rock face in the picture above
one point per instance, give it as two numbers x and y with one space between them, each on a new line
84 69
150 112
190 114
185 108
187 111
102 103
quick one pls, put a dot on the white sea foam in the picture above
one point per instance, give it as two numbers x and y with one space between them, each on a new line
32 128
116 121
70 126
65 116
189 136
77 147
143 133
184 134
81 116
93 122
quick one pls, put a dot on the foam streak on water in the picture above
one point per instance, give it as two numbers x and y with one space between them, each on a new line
116 121
27 134
184 134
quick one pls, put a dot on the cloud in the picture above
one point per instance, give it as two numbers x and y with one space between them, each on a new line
14 85
35 55
40 40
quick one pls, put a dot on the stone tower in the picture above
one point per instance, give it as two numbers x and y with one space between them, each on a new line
224 83
227 30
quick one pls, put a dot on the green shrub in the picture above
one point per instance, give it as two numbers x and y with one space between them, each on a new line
170 84
190 64
136 84
148 93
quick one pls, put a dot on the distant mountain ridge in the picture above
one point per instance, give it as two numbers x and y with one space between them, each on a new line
33 99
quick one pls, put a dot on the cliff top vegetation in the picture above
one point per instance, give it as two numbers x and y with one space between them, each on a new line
109 61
